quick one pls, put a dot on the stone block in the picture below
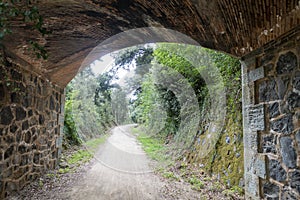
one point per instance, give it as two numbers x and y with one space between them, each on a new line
294 178
25 125
8 152
269 143
256 74
267 91
6 115
251 141
274 110
286 63
283 125
293 100
256 116
260 166
20 113
297 137
296 81
282 85
287 194
271 191
288 152
251 185
276 171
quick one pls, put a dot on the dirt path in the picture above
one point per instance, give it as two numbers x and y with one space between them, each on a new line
121 172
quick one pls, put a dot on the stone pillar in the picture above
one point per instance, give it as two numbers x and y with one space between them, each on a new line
31 121
271 111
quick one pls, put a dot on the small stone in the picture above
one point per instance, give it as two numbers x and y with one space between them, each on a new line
27 137
286 63
271 191
298 138
30 113
6 116
227 139
267 91
295 180
269 144
52 105
296 81
276 171
282 85
283 125
25 125
27 101
41 119
8 152
274 110
287 194
36 158
20 113
15 97
13 128
288 152
293 100
22 149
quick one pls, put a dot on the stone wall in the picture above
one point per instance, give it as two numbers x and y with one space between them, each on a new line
271 108
30 126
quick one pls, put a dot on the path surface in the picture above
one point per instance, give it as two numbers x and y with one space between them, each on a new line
121 172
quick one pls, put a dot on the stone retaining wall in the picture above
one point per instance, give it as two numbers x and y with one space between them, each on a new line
271 108
30 126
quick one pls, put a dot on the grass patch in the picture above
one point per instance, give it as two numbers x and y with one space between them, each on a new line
154 147
196 183
93 144
169 175
64 170
81 156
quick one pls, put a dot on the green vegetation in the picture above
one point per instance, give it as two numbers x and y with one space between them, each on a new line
88 109
95 103
196 183
154 147
93 144
153 97
64 170
81 156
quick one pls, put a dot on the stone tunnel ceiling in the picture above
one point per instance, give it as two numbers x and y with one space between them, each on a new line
236 27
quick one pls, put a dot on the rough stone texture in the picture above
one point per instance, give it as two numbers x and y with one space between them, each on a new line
278 92
288 153
271 191
78 26
276 171
286 63
295 180
269 143
257 117
26 151
283 125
